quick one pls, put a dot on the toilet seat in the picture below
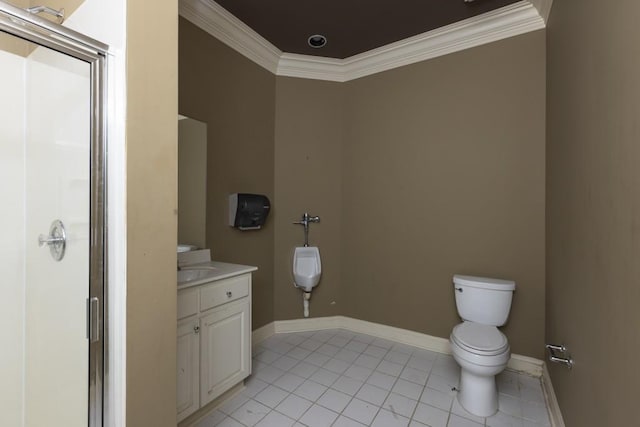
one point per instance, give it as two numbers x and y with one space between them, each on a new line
482 340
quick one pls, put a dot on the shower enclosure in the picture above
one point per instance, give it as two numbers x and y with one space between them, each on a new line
52 256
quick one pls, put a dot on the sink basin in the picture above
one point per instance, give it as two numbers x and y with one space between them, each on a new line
189 274
198 267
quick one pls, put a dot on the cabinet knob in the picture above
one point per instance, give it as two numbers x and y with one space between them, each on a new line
229 294
196 329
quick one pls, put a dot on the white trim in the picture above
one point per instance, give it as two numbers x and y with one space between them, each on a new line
308 324
116 378
215 20
550 397
106 22
261 334
512 20
544 8
524 364
312 67
403 336
508 21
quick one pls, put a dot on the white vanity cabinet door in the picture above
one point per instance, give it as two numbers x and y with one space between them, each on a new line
188 357
225 348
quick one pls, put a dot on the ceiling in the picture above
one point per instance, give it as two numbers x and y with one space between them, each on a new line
350 26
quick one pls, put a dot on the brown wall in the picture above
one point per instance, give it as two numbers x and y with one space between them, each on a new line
417 179
443 173
152 134
417 173
236 98
308 178
593 236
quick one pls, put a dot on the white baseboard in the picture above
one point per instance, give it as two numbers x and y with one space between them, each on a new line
550 397
262 333
308 324
524 364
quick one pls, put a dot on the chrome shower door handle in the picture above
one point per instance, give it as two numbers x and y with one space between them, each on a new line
56 240
44 240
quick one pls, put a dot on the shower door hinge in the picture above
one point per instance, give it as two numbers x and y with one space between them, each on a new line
93 319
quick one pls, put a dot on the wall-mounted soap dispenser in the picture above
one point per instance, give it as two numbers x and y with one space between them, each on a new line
248 211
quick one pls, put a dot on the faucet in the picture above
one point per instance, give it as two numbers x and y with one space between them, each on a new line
306 220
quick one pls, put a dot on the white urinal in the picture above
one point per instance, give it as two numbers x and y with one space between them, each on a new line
307 267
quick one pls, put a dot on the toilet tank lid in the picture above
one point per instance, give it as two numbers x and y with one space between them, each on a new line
484 282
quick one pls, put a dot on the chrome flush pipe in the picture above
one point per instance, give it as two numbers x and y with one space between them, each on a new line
306 220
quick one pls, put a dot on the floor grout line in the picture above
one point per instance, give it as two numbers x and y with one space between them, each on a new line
327 342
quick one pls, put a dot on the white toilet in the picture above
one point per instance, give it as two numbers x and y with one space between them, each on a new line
481 350
307 267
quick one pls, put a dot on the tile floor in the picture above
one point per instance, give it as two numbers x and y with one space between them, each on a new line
342 379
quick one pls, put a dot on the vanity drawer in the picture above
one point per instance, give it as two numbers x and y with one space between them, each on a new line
224 291
187 303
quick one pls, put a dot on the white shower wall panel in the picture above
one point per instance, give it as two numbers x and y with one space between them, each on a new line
12 78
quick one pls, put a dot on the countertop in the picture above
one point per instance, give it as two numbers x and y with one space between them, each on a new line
220 270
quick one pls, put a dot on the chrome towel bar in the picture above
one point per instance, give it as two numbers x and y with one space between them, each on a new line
557 353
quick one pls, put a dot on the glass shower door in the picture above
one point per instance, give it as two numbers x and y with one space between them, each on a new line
57 188
51 251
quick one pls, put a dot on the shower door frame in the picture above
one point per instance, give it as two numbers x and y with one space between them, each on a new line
22 24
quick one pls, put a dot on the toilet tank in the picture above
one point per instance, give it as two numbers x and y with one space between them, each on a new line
483 300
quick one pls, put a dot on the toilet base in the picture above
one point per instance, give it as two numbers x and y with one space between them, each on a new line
478 394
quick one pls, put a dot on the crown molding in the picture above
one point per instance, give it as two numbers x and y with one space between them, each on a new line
312 67
509 21
215 20
512 20
544 8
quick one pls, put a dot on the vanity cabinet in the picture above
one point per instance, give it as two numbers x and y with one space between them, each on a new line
188 357
225 349
214 340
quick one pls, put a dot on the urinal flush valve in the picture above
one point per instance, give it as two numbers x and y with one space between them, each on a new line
305 221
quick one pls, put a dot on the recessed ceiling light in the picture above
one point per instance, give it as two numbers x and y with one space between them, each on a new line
317 41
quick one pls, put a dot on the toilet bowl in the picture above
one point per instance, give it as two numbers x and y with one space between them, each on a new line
307 267
479 348
479 363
